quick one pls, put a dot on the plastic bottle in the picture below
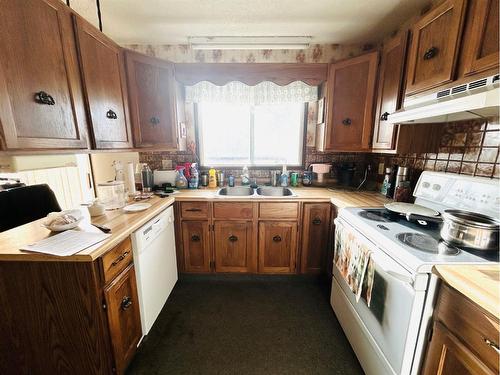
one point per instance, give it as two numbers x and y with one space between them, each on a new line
194 180
284 177
230 180
212 178
181 181
245 176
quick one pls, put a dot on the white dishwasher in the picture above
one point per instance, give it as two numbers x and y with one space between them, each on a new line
155 265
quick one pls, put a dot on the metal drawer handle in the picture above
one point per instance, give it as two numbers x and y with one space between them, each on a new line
347 121
492 344
126 303
384 116
193 210
430 53
154 120
316 221
42 97
195 238
119 259
276 238
233 238
111 115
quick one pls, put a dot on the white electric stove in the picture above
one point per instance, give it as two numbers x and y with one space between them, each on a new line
389 337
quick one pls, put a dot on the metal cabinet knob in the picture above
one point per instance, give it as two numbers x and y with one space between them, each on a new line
126 303
233 238
195 238
384 116
430 53
111 115
316 221
42 97
154 120
347 121
276 238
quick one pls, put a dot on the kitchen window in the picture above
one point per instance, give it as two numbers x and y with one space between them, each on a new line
262 125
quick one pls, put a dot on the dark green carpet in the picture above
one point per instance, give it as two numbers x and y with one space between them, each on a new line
246 325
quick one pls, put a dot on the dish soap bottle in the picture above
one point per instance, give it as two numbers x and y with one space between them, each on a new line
284 177
245 176
212 179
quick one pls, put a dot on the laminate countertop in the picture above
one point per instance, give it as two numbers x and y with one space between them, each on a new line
123 224
480 283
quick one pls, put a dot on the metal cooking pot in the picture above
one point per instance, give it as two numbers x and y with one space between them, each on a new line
469 229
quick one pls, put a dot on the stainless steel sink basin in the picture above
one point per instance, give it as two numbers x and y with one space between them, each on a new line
275 192
237 191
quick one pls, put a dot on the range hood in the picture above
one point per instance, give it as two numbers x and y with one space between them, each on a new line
473 100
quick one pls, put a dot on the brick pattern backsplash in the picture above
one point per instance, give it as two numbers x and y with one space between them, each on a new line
467 147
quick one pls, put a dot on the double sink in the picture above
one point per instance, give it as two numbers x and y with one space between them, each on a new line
247 191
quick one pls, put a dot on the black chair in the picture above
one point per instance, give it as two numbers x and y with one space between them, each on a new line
25 204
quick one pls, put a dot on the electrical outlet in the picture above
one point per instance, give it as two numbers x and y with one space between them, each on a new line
166 164
380 168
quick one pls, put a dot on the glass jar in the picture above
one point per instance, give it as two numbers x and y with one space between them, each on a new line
112 194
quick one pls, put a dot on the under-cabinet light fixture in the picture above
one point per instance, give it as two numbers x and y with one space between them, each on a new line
249 42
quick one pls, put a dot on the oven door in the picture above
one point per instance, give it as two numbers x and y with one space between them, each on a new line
393 318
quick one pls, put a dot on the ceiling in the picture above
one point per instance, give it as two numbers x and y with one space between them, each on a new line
327 21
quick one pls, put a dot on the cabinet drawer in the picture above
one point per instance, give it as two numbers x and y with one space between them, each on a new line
468 322
233 210
194 210
116 260
279 210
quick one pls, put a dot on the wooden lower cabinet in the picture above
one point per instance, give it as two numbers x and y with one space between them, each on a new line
124 317
315 237
277 247
449 356
233 246
196 245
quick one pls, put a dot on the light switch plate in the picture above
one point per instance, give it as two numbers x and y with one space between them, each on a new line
380 168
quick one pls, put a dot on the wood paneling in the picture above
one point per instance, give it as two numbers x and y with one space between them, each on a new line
233 210
434 47
103 72
281 210
196 246
152 94
52 320
315 237
390 91
233 246
116 260
481 41
251 74
122 304
194 210
449 356
277 247
39 55
350 96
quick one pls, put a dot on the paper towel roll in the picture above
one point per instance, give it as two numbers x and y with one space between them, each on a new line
130 178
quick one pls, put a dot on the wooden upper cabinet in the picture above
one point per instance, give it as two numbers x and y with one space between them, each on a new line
122 305
481 41
41 103
350 95
103 72
277 246
233 246
315 237
152 101
434 47
390 91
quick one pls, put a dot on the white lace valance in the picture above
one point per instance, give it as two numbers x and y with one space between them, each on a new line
240 93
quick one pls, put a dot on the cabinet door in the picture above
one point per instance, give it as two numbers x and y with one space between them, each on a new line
315 237
390 91
195 243
233 246
434 47
152 101
124 317
447 355
481 46
103 70
277 247
350 92
41 98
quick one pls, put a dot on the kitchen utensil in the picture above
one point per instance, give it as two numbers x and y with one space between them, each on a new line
408 209
102 228
112 194
136 207
471 230
75 215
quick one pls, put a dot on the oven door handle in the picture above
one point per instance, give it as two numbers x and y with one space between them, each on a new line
394 274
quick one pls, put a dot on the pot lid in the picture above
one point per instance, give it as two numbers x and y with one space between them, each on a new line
410 208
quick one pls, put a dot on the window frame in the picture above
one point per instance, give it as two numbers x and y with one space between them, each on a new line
305 110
